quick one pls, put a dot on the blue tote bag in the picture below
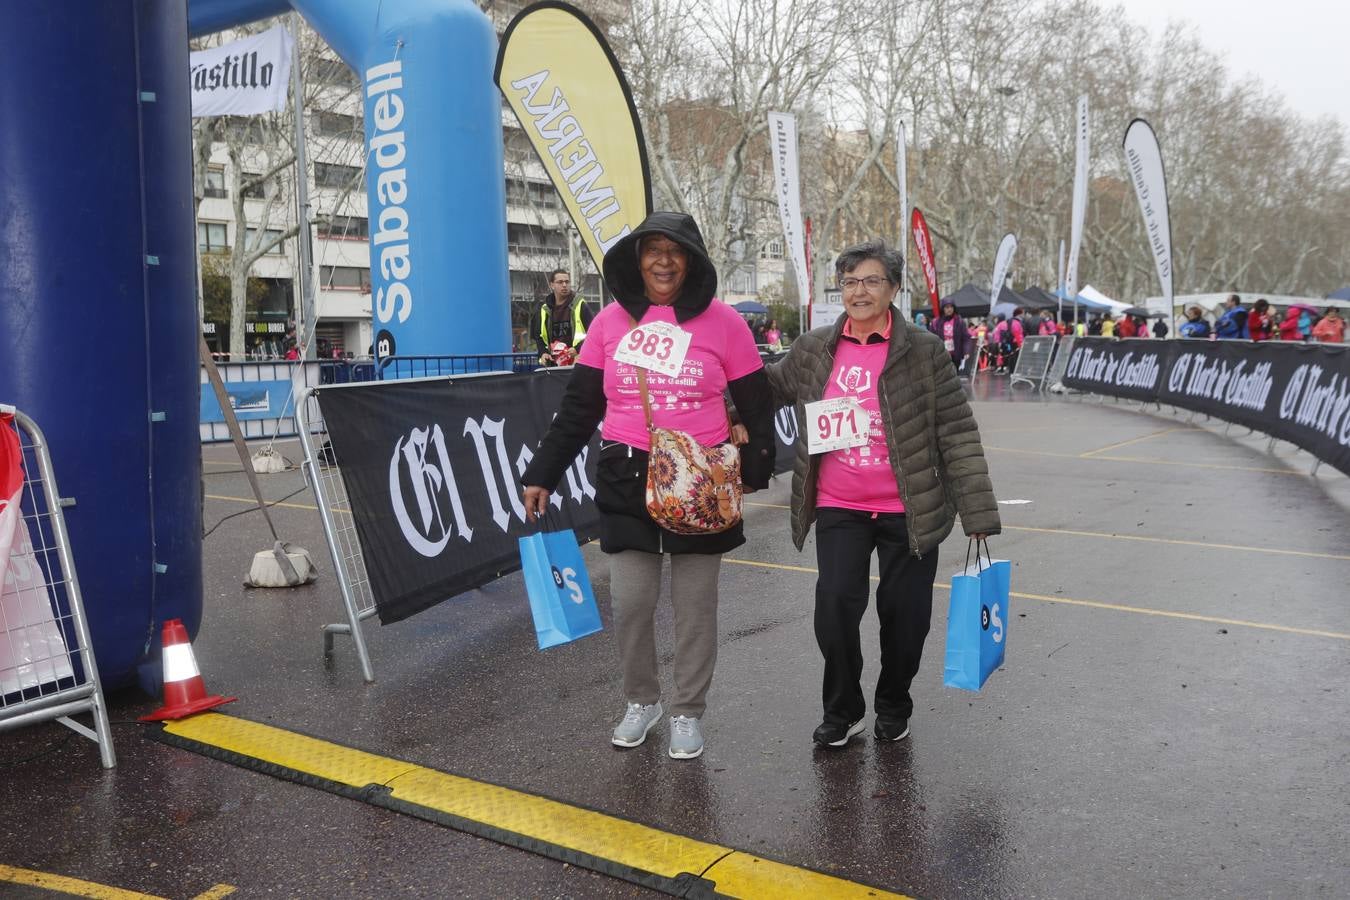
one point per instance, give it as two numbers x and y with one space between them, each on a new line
561 599
977 622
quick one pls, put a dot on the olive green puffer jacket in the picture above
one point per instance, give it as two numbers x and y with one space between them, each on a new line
934 443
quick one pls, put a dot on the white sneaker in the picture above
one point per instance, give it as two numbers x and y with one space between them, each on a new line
686 738
637 721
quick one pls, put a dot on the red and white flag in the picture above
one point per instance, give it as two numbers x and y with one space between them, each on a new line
32 650
11 483
923 242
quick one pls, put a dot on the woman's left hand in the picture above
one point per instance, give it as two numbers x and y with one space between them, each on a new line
740 435
536 502
979 536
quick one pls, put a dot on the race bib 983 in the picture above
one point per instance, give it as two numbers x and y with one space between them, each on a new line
656 346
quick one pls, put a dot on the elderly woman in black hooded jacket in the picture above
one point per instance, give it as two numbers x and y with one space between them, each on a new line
660 272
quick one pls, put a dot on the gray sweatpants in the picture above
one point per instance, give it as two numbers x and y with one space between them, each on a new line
634 586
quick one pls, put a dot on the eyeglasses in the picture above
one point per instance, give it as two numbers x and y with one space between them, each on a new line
872 283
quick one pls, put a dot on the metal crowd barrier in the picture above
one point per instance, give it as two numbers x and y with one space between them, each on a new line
1034 360
339 529
395 367
324 476
338 372
47 668
1060 365
266 393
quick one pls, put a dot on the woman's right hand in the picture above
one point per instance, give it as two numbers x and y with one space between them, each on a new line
536 502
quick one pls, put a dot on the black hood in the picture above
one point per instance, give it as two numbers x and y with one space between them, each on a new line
625 280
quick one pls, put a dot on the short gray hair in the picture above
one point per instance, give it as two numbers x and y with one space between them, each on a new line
890 258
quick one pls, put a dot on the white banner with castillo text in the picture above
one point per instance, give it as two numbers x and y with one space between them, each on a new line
242 78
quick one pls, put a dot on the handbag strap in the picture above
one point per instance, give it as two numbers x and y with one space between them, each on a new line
646 394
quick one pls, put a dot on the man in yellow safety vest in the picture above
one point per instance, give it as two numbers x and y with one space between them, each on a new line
561 316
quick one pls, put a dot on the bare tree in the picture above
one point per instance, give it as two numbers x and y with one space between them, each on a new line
706 75
260 162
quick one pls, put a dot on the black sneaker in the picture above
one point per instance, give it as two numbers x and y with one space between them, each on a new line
891 729
836 734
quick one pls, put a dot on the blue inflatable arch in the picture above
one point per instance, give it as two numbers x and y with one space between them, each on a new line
434 182
98 325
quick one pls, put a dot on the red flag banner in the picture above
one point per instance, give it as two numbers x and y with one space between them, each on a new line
924 243
11 485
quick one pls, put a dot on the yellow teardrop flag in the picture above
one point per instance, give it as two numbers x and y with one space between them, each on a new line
570 96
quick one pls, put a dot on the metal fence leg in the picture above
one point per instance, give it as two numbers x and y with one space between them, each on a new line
325 502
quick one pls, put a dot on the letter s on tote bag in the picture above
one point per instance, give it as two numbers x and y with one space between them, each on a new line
977 623
561 599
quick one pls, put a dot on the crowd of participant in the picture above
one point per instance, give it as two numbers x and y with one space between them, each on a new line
1263 322
997 339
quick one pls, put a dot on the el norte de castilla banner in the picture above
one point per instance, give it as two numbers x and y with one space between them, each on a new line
432 467
566 88
1295 392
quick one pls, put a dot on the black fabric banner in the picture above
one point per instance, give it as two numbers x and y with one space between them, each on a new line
1296 392
431 471
1123 368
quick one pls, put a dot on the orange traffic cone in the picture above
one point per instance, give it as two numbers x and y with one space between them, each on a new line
184 689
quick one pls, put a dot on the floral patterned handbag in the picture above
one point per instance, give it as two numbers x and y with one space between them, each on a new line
691 489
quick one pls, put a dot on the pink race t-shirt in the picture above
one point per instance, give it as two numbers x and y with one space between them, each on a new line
859 477
721 349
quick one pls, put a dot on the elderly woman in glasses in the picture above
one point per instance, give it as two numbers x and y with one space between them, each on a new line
888 454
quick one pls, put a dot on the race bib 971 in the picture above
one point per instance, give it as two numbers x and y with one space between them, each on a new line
835 425
656 346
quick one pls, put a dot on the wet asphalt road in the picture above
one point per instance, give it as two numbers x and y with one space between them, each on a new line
1120 752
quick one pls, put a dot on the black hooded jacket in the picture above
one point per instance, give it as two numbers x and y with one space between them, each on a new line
621 471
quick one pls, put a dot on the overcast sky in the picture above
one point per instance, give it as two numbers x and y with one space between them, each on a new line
1301 48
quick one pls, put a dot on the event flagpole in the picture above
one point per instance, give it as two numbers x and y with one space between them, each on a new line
305 326
902 179
1080 192
1060 317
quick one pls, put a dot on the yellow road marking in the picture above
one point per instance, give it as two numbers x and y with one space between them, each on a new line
253 502
1146 437
1097 534
1141 610
215 893
1172 614
1178 541
1136 537
1060 427
539 819
743 875
1152 462
1194 465
72 886
1034 452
